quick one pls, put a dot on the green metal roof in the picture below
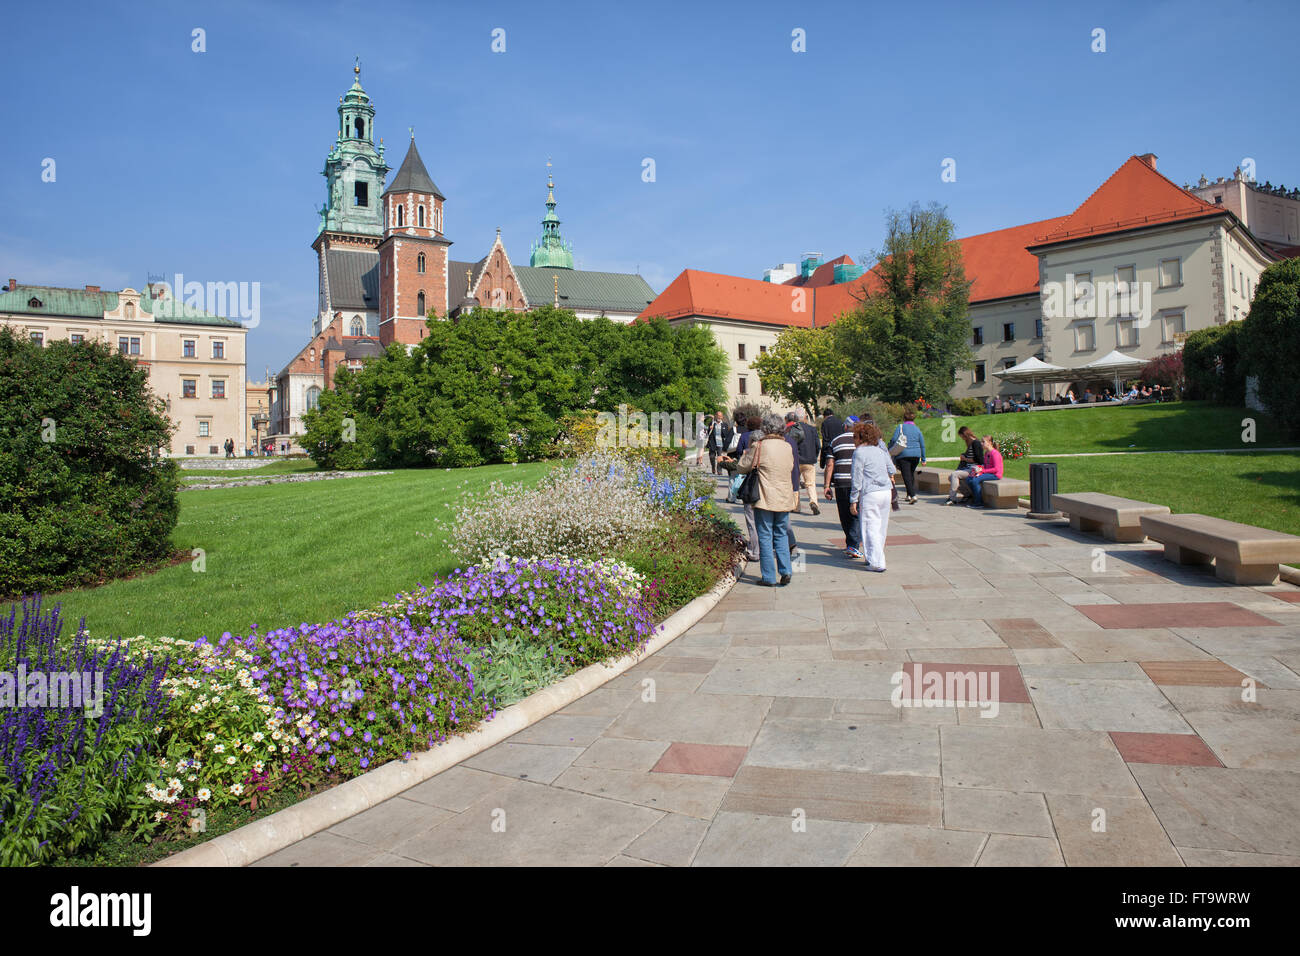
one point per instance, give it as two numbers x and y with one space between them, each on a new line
81 304
591 291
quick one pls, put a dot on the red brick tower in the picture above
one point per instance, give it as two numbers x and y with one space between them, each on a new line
412 254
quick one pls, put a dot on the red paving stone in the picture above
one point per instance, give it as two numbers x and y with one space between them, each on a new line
710 760
1193 673
1291 597
1010 685
907 539
1190 614
1020 633
838 542
1187 750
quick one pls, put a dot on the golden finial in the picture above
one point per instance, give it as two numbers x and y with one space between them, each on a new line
557 290
356 70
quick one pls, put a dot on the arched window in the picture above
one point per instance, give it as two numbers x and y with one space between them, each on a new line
419 264
420 216
419 303
313 397
129 310
360 127
358 327
401 215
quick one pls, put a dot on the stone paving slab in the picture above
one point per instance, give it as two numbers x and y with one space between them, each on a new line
767 735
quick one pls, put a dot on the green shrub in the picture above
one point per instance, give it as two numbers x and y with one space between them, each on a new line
87 492
885 414
967 407
1011 445
1212 365
688 559
1270 342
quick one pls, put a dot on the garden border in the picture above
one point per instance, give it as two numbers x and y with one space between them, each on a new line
261 838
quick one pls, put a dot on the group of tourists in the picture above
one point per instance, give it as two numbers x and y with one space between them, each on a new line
771 464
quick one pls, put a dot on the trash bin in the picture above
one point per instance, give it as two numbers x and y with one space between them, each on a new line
1042 485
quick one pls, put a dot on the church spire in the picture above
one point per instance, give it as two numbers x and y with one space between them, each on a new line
551 250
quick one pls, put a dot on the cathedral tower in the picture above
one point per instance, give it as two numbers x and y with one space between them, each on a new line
412 253
551 251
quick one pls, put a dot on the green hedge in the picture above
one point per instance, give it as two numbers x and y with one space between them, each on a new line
1270 342
86 492
1212 365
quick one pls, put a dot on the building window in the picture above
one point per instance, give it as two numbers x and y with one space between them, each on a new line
419 303
129 345
203 428
978 335
401 215
419 264
313 397
740 351
359 128
33 303
212 449
978 376
1171 273
1233 271
743 389
76 338
188 348
361 195
419 215
1174 324
1125 289
189 388
762 389
38 338
358 327
218 349
1009 363
1085 337
762 350
189 449
1008 331
1218 200
218 388
1038 328
1126 333
128 310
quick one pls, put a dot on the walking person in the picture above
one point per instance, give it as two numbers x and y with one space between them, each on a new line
831 428
230 448
807 446
870 492
720 433
701 439
992 468
778 478
839 482
912 453
972 459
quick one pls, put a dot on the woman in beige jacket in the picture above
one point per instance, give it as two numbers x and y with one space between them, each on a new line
778 477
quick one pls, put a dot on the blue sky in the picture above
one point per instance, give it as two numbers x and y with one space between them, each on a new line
209 163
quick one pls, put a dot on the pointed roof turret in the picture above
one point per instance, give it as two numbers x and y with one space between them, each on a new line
412 177
551 250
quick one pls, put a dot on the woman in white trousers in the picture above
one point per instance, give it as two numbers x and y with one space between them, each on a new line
871 492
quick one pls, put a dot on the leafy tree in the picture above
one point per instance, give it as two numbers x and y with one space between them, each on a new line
336 436
86 490
1213 366
1270 341
909 334
804 366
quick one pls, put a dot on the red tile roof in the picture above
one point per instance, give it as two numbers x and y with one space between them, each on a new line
999 263
1135 195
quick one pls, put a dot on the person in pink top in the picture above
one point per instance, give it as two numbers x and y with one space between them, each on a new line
992 469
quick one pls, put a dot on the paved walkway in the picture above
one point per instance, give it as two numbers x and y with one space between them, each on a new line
766 734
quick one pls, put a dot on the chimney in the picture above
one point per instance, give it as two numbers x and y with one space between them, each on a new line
92 288
13 284
1149 159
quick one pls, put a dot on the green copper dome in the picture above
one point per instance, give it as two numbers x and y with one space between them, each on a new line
551 251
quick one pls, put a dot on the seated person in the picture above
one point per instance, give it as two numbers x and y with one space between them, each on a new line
968 465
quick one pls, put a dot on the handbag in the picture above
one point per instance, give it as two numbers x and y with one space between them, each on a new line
749 492
893 497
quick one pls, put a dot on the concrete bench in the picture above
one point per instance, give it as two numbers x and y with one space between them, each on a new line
1242 554
933 480
1004 492
1116 518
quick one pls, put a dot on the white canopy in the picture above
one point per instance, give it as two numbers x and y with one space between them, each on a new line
1115 364
1033 370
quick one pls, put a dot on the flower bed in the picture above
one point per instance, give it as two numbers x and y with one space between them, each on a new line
222 726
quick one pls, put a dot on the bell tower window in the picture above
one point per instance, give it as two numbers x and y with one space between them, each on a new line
401 215
419 264
359 128
358 327
419 303
361 195
420 216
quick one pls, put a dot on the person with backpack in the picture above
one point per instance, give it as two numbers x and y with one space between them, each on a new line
911 452
807 447
778 477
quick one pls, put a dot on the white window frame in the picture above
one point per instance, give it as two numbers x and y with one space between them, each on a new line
1091 329
1166 316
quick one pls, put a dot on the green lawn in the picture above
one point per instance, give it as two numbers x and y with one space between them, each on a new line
273 466
1163 427
278 555
1260 489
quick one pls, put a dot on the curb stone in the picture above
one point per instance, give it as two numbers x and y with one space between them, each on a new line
283 828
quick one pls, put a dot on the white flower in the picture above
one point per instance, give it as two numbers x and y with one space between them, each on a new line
230 760
237 789
204 794
219 749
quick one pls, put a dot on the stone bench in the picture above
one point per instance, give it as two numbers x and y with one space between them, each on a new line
933 480
1004 492
1242 554
1116 518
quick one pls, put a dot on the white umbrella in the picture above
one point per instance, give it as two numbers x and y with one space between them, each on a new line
1033 369
1115 363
